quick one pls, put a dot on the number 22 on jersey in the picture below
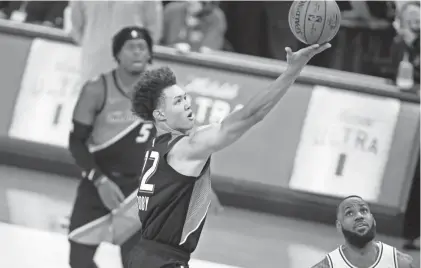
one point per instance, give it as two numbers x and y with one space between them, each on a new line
147 174
146 189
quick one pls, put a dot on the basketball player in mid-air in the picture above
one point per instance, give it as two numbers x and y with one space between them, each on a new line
358 226
174 190
107 142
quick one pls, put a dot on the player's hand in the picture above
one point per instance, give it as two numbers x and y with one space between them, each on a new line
301 57
109 193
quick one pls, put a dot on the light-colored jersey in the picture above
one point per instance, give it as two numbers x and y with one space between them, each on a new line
385 259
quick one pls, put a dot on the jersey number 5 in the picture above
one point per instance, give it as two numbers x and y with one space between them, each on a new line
144 133
144 186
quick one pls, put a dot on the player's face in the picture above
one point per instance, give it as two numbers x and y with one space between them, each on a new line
177 109
134 55
356 222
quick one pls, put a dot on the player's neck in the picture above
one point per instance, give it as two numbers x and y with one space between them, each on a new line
367 249
163 128
126 80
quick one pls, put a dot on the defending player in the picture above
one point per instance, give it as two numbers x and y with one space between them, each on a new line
108 143
358 226
174 190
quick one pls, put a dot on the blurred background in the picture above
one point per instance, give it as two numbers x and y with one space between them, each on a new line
349 125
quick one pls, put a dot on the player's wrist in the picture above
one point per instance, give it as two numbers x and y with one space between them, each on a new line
294 69
101 180
94 176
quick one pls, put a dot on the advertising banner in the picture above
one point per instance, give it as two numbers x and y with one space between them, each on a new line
345 144
48 93
51 85
343 138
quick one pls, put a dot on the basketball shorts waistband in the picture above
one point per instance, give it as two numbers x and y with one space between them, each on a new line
163 250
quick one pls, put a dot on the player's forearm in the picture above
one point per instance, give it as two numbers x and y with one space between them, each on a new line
261 104
80 153
83 158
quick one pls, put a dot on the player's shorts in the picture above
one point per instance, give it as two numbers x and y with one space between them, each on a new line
88 208
152 254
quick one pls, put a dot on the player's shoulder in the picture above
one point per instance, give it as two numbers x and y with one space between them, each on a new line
165 141
96 81
94 86
198 137
404 260
322 264
93 83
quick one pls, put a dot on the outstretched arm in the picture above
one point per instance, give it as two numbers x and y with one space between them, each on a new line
404 260
204 141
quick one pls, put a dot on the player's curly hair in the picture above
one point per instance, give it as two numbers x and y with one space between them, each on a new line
148 91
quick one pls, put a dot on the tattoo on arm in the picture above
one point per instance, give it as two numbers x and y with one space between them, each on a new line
323 264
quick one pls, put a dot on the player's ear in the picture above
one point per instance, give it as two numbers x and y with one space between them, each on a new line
338 226
158 115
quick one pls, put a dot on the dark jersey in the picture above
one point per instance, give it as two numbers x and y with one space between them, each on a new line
172 207
119 139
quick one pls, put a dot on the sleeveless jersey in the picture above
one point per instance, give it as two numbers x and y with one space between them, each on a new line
172 207
385 259
119 138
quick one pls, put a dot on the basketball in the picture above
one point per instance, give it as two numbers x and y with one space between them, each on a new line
314 21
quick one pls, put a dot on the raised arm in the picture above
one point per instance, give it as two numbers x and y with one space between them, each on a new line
90 102
206 140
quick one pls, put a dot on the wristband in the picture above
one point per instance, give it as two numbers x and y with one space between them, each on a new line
100 181
92 175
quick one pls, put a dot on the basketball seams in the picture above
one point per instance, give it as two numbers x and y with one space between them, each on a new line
324 23
291 9
338 13
305 21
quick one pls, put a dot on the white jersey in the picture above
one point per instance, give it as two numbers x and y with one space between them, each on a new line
385 259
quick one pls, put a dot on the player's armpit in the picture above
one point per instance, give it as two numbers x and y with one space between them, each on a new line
204 141
404 260
322 264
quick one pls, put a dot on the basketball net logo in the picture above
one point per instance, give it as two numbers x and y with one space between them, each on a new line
314 18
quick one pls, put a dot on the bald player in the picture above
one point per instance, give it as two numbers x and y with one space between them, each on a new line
358 226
